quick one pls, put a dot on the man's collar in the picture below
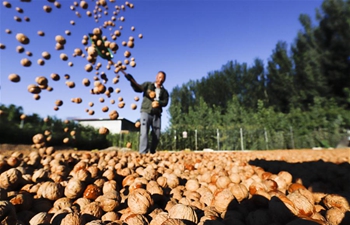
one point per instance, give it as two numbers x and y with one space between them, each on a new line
155 85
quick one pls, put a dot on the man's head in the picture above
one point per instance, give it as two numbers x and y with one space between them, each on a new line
160 78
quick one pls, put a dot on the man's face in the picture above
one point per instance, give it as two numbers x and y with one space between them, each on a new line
160 78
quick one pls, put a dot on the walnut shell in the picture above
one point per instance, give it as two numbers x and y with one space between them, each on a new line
336 201
110 216
301 204
336 216
172 181
74 188
110 186
92 192
10 179
183 212
50 190
107 204
72 219
40 218
93 209
62 203
136 219
192 185
222 199
239 191
139 201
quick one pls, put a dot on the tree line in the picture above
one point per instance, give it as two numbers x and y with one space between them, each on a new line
305 85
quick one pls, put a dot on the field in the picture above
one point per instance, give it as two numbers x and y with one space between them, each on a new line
301 186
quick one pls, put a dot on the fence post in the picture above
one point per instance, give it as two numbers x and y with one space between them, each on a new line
174 139
241 131
195 139
218 138
266 139
120 139
291 136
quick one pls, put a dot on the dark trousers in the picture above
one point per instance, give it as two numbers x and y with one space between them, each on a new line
149 121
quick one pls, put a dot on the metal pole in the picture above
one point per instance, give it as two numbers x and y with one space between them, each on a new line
266 139
218 138
291 137
195 139
241 131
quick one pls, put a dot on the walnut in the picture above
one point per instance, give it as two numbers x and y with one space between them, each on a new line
10 179
40 175
162 181
92 210
171 221
301 204
107 204
172 181
128 180
336 216
95 222
192 185
239 191
206 196
50 190
40 218
109 174
92 191
150 174
184 212
223 181
62 203
74 188
155 190
110 186
71 219
139 201
81 202
110 216
222 199
159 218
136 219
336 201
94 171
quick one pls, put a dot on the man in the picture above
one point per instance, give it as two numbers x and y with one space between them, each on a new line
155 97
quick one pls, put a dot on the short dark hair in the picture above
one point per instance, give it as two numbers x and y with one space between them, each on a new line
163 73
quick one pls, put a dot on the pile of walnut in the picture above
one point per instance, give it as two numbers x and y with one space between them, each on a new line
110 187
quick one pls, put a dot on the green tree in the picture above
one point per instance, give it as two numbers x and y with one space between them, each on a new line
280 85
333 38
309 80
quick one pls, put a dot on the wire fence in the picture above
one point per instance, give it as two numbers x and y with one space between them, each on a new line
240 139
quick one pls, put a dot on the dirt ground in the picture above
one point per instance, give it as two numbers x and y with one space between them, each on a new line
336 156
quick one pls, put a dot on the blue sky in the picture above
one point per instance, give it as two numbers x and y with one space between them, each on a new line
186 39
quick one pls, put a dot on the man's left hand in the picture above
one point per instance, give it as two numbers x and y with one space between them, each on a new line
155 104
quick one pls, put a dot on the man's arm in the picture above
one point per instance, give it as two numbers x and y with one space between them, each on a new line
137 87
165 99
